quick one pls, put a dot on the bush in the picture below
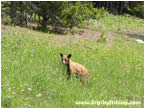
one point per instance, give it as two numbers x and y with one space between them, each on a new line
102 37
75 14
99 13
137 10
6 20
79 13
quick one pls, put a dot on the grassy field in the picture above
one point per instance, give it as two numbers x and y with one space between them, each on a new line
34 77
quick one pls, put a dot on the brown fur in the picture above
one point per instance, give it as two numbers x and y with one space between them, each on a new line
74 68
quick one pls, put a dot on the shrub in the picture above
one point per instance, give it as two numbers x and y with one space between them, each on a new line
79 13
75 14
137 10
102 37
99 13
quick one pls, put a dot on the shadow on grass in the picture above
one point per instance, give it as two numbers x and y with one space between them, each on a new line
132 35
60 30
136 36
56 30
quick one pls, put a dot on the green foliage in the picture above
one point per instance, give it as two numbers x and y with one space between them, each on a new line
102 37
76 14
60 16
99 13
7 20
5 7
7 101
52 15
5 11
137 10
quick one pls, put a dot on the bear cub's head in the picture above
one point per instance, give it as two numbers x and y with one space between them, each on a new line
65 59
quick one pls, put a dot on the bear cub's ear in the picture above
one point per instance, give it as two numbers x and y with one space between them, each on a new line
61 54
69 56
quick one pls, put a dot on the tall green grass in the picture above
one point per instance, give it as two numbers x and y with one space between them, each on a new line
119 23
34 77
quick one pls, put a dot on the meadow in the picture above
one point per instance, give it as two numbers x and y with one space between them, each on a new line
32 75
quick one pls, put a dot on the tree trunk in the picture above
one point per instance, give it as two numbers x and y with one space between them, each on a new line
116 7
44 22
21 13
13 11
